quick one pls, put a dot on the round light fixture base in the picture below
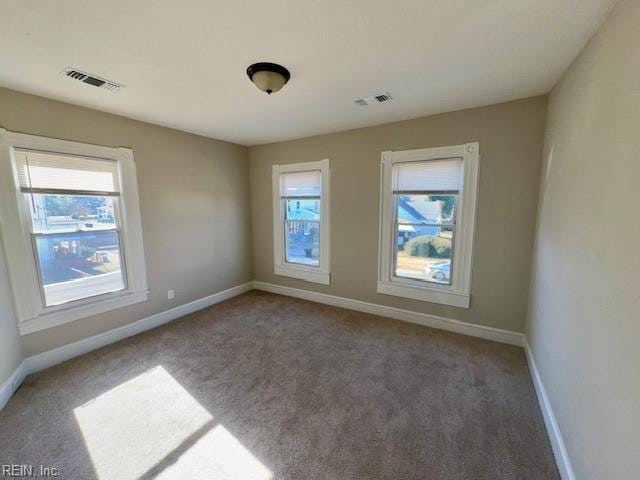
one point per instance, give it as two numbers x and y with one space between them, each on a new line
268 77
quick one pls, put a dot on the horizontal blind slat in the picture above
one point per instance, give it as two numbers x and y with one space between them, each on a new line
301 184
437 175
50 172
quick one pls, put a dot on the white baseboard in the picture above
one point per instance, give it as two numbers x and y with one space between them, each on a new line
13 382
553 429
58 355
433 321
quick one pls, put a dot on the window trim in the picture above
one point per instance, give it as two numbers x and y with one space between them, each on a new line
320 274
457 294
31 313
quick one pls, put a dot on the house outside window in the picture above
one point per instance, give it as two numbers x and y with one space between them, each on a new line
428 200
301 220
425 236
73 233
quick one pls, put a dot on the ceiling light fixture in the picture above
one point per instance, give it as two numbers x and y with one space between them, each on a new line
268 77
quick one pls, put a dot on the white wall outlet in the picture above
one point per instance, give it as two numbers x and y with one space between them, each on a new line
171 294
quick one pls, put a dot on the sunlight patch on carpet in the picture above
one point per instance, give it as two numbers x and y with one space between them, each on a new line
151 426
217 455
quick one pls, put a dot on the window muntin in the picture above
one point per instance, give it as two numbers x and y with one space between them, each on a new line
73 203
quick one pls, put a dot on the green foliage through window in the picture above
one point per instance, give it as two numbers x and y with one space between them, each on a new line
429 246
77 207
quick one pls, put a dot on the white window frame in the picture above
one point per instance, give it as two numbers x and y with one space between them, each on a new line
15 220
458 293
317 274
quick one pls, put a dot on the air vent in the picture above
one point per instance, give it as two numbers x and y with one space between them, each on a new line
91 79
380 98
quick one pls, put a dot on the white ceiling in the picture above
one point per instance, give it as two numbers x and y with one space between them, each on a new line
183 62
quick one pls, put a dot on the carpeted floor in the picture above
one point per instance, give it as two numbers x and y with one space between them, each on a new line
269 387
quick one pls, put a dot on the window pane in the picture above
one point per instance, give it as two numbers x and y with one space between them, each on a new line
303 209
50 213
303 242
424 253
79 265
430 209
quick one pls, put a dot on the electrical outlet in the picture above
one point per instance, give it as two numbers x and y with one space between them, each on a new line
171 294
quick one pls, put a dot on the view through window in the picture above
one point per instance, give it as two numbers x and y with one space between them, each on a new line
303 231
425 199
73 202
301 198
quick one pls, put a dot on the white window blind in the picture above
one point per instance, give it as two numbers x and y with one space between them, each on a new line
432 175
42 172
301 184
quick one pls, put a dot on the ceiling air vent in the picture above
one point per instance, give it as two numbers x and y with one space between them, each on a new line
91 79
380 98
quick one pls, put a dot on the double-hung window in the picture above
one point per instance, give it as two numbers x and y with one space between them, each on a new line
301 220
428 200
72 229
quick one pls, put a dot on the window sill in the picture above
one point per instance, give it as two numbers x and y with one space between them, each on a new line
60 317
425 294
308 274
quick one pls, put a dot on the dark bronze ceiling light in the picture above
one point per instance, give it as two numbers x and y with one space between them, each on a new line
268 77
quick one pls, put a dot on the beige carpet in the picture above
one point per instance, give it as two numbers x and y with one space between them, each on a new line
268 387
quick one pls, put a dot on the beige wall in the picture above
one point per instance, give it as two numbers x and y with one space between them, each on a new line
194 198
584 323
510 137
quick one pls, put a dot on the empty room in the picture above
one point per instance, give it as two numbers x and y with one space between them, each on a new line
320 240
